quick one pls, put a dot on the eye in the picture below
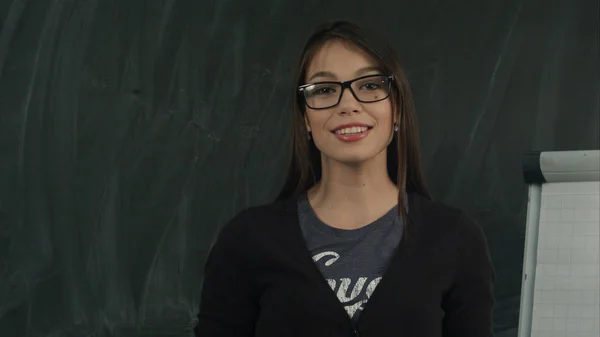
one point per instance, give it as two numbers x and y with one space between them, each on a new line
370 86
323 90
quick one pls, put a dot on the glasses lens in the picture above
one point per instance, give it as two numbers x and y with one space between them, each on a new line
322 95
327 94
372 88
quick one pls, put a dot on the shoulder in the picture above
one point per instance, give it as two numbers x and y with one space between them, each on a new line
253 216
443 218
456 237
244 225
429 209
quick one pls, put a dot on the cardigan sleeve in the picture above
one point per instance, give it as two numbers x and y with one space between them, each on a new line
228 302
469 303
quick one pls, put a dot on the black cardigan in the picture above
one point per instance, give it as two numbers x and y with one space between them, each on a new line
260 280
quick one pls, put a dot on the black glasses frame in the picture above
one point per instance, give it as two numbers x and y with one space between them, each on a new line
344 85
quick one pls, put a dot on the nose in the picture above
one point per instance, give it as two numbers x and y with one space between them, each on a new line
348 103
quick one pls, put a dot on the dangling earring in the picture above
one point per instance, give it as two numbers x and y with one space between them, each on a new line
395 127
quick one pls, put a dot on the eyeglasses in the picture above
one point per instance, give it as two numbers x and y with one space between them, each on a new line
366 89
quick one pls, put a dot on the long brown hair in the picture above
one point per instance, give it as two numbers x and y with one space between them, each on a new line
403 154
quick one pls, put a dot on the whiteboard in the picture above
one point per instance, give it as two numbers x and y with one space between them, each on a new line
561 274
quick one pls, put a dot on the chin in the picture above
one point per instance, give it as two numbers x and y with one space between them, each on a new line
353 154
352 157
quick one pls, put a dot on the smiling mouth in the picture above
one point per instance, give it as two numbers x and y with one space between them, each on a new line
352 130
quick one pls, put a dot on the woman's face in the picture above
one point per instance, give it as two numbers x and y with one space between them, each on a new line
350 132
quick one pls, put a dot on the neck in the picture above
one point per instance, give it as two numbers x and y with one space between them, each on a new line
354 188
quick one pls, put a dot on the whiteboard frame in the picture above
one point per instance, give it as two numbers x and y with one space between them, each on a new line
540 168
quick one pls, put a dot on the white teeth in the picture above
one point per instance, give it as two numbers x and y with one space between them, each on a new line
354 129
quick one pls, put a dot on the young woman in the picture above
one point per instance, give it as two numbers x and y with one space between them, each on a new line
354 245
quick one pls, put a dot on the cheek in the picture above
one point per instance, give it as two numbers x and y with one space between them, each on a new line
318 130
317 121
384 114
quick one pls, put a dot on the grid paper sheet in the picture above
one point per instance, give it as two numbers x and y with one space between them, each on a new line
567 284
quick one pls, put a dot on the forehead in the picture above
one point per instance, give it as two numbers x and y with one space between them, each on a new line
343 60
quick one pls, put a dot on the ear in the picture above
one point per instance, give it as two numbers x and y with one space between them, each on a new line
307 123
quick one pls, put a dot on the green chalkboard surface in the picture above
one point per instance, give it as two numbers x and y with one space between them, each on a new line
131 130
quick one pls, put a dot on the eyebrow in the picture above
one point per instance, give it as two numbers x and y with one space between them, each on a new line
359 72
322 74
365 70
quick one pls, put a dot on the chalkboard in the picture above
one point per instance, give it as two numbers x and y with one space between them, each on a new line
132 130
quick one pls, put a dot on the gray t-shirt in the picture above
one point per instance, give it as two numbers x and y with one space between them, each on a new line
352 261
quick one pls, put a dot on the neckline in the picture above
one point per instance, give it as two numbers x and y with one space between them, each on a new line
306 208
390 279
